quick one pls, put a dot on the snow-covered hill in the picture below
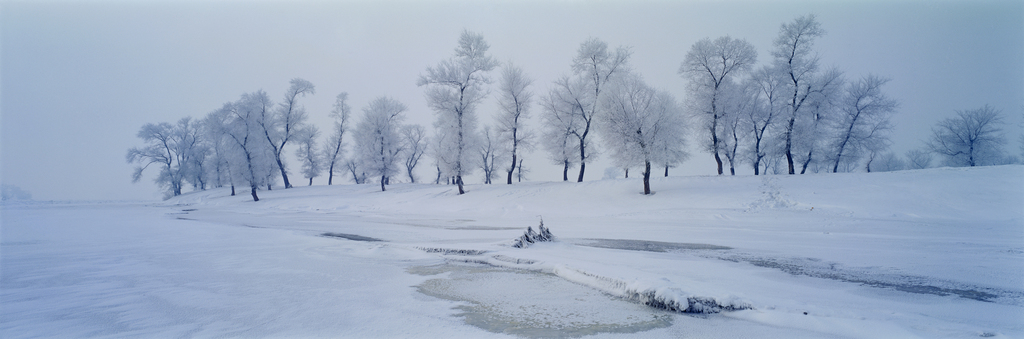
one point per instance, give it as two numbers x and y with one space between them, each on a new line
926 253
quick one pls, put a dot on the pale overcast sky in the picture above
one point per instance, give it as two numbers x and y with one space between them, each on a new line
79 78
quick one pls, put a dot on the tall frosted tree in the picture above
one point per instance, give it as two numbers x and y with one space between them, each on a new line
281 125
971 138
378 139
710 66
639 122
765 94
250 156
334 149
308 154
804 81
863 121
562 108
220 150
514 102
454 88
595 66
814 127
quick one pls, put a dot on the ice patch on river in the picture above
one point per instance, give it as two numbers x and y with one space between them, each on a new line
534 304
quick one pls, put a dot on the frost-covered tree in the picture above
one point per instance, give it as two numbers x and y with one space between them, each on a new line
489 149
737 100
815 126
415 139
175 148
710 66
454 89
863 121
562 107
972 138
762 115
357 173
308 154
804 84
888 162
595 66
378 139
514 103
334 149
250 157
220 151
637 123
918 159
281 125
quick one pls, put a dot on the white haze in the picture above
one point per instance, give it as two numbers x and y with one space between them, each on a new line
78 79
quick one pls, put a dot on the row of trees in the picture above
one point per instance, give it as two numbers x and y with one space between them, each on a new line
777 118
790 109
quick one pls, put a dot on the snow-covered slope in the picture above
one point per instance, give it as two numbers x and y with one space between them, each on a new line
927 253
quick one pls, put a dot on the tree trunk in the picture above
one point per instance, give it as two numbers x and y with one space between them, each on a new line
666 171
647 177
565 170
252 190
583 162
311 181
718 160
330 174
513 168
458 180
789 144
232 190
627 173
382 189
808 162
284 174
583 167
520 170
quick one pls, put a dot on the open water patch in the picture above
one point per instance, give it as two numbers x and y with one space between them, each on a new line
353 237
534 304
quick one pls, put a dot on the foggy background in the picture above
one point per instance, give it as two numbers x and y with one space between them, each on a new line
78 79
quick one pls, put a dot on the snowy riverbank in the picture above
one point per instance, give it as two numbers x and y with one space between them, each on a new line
928 253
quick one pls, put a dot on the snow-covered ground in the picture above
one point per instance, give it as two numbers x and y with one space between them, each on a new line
929 253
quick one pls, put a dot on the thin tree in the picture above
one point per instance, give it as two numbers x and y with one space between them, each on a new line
378 140
488 154
918 159
972 138
710 66
454 88
761 117
596 66
415 141
311 158
514 101
281 126
334 149
562 107
793 59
